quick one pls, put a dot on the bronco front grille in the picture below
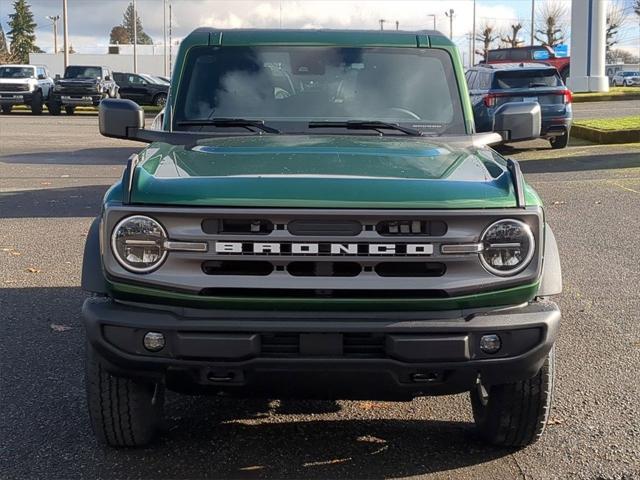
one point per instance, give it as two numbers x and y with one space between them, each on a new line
14 87
332 254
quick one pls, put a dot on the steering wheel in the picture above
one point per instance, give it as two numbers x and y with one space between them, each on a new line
404 111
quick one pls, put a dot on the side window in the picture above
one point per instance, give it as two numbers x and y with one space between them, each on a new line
39 72
136 80
106 73
485 80
471 80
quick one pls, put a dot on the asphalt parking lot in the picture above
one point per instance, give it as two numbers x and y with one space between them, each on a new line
53 172
589 110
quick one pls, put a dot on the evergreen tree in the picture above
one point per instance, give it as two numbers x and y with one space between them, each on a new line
22 33
5 56
127 23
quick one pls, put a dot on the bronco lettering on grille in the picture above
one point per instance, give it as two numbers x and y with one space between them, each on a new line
325 248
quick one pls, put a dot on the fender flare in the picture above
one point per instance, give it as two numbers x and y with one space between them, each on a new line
551 279
92 272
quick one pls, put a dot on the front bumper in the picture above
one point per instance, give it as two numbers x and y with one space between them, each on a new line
78 98
329 355
15 98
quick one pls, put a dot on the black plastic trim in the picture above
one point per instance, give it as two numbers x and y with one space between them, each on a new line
93 279
551 279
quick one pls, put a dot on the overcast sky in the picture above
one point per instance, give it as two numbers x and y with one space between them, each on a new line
90 21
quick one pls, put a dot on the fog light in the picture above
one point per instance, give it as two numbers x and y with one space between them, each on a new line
153 341
490 343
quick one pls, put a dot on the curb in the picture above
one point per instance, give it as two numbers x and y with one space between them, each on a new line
605 98
606 136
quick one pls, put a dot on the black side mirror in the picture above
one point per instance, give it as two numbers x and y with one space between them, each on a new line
57 77
518 121
107 78
41 77
120 118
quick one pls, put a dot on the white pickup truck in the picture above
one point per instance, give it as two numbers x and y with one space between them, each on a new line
28 85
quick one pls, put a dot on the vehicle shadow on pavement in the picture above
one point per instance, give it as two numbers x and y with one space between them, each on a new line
582 163
83 201
85 156
231 438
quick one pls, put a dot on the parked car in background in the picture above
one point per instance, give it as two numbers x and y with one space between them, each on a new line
491 86
28 85
626 79
82 86
142 89
536 53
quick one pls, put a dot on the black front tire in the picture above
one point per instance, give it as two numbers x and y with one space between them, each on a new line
37 103
123 412
515 414
70 110
559 142
6 109
54 107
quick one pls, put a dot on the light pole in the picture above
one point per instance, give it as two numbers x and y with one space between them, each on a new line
533 19
382 20
434 19
65 33
135 38
170 41
164 35
472 54
450 15
54 21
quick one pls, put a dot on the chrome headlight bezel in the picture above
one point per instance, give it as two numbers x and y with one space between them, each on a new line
161 245
520 266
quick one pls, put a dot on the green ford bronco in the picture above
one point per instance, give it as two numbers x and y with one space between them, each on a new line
315 217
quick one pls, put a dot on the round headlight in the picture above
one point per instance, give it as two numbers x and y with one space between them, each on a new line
508 247
138 242
57 88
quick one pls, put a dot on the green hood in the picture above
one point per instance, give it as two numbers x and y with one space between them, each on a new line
322 171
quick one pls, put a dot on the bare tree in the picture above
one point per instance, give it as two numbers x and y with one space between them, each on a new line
512 40
636 7
615 55
486 37
551 23
616 20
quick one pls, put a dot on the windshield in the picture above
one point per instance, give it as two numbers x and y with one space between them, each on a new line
289 86
527 78
17 72
82 72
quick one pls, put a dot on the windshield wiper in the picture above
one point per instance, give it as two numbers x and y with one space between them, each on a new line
230 122
367 125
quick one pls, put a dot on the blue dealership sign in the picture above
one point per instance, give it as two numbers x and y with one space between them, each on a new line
561 50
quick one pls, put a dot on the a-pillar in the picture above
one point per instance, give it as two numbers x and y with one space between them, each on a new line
588 40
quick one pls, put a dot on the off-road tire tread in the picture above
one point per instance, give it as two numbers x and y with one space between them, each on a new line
37 107
120 409
54 108
517 413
